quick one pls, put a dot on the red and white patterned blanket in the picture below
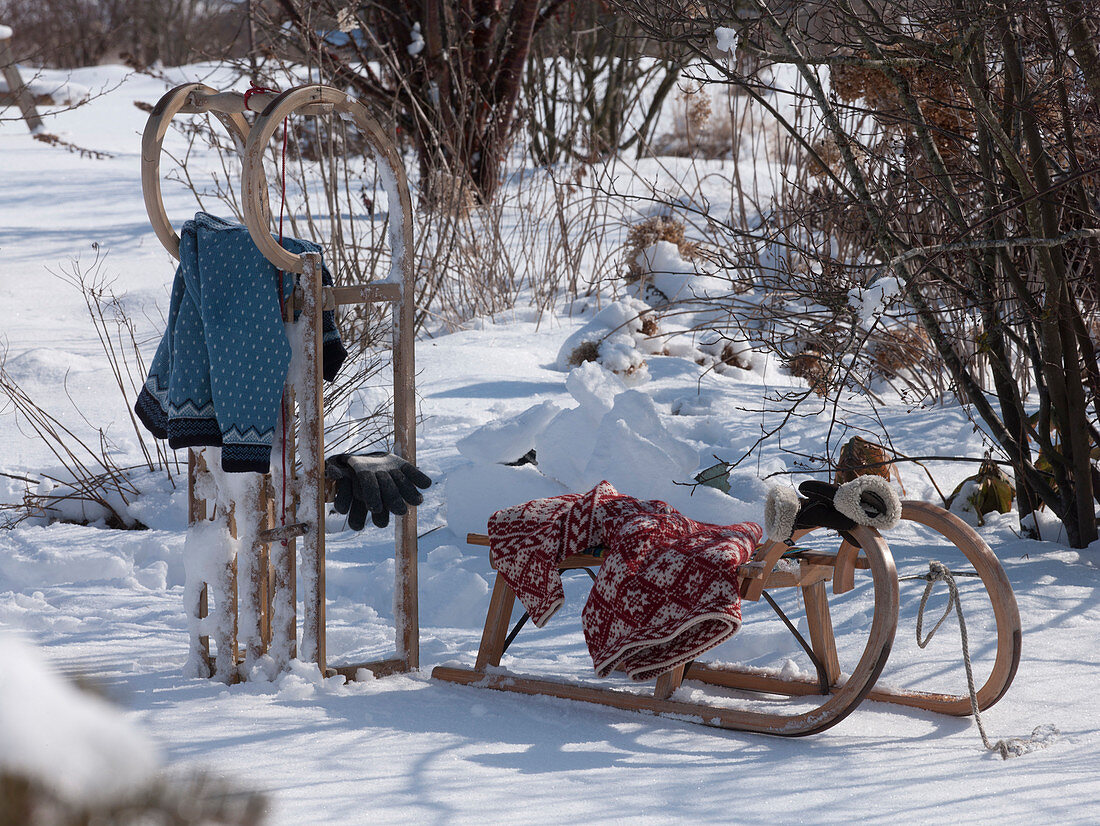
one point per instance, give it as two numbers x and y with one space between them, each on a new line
667 590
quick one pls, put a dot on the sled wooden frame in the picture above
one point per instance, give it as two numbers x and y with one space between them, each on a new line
18 91
815 569
271 571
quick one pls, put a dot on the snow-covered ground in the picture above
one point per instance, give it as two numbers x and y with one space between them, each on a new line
406 749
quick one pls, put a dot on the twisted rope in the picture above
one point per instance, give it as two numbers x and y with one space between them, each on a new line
1043 735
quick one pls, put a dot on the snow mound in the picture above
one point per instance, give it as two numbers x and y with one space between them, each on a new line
476 491
508 440
450 594
49 365
668 277
71 741
51 92
615 339
726 354
613 433
78 555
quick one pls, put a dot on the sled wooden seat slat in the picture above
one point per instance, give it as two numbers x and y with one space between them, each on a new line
199 102
369 293
776 578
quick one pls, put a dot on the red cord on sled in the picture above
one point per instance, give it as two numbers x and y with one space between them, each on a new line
258 90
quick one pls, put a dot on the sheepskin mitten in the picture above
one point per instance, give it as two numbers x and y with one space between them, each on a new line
780 511
818 511
818 491
869 500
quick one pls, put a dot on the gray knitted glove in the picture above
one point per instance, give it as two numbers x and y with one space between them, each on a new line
381 483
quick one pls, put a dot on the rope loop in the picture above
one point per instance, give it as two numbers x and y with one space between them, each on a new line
937 572
1042 736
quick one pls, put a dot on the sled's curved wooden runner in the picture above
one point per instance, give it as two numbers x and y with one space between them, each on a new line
814 571
1005 611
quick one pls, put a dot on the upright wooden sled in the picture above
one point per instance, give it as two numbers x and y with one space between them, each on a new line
268 580
814 569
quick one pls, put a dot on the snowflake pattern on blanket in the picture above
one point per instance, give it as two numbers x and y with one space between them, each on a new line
666 592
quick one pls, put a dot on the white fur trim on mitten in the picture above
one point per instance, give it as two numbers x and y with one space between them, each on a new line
780 509
869 500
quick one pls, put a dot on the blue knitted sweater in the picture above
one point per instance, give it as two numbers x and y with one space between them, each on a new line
217 377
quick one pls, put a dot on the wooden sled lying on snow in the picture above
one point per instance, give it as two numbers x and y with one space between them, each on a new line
812 571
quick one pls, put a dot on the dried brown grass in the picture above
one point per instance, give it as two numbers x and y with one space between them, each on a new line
896 349
644 234
812 365
859 457
584 352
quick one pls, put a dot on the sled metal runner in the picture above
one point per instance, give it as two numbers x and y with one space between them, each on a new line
815 570
269 579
